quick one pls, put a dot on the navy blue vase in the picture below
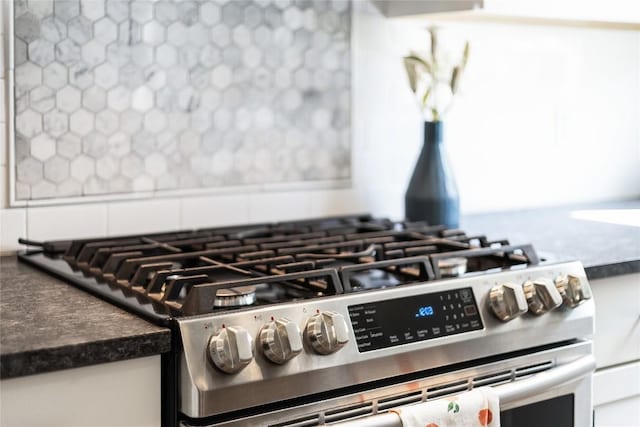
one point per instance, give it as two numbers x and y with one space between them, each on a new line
432 195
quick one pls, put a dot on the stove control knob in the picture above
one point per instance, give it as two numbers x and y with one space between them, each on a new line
542 296
507 301
573 291
327 332
280 340
231 349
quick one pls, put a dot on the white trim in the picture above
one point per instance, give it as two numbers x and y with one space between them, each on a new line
10 99
192 192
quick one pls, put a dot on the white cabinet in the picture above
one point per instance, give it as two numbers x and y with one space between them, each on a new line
393 8
125 393
616 396
616 382
624 14
621 413
617 338
623 11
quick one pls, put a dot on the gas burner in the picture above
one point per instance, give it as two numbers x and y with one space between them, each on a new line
240 296
452 267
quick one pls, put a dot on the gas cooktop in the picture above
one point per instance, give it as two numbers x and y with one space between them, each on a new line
184 273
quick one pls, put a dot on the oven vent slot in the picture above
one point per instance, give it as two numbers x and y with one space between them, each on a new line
446 389
492 379
308 421
399 400
334 415
533 369
348 412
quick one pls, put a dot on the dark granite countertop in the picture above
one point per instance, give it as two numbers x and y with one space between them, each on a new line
48 325
563 233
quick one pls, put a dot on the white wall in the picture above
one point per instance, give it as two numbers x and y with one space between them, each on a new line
547 115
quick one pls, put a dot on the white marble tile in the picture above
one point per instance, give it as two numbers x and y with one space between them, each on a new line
143 216
266 207
43 147
29 171
214 211
66 222
13 224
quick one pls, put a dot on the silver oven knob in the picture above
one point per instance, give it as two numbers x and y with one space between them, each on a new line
280 340
541 295
231 349
573 291
327 332
507 301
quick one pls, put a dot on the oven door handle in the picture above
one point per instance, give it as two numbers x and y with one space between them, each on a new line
514 391
507 393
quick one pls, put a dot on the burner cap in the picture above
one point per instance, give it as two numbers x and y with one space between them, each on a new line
452 267
239 296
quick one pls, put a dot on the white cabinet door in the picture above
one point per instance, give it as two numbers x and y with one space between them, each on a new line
120 394
617 338
616 383
621 413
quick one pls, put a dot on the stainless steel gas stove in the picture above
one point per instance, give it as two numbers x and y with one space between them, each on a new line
338 320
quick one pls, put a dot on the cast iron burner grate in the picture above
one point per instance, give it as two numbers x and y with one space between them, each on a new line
195 272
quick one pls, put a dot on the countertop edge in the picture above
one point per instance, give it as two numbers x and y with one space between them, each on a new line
612 269
52 359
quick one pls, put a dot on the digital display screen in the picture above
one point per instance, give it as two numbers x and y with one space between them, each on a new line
383 324
425 311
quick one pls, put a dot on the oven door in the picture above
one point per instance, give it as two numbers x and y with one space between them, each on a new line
559 397
550 386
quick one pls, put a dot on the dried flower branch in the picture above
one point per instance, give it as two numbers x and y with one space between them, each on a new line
432 80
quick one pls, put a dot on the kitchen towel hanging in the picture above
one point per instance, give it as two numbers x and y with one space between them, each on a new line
479 407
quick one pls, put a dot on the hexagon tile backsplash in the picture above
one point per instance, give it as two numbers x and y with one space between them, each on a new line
122 96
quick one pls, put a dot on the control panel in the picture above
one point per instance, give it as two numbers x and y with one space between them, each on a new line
390 323
333 342
404 316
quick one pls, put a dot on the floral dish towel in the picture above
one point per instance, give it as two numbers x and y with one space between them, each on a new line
476 408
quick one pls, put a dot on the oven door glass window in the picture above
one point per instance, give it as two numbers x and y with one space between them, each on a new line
557 412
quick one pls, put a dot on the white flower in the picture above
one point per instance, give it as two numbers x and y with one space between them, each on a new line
434 77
